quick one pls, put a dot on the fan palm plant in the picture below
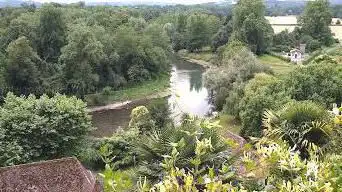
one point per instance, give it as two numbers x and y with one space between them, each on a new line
152 148
299 123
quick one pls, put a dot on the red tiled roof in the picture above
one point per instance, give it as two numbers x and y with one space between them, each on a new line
62 175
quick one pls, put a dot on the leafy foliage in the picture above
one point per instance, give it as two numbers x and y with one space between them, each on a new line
199 30
119 149
118 47
40 129
153 147
52 31
238 65
21 69
313 82
222 36
192 180
141 120
284 41
315 21
285 171
250 25
79 58
300 123
260 93
318 82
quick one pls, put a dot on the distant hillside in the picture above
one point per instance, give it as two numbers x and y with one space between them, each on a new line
12 3
16 3
269 3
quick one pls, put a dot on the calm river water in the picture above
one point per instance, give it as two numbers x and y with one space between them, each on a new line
188 95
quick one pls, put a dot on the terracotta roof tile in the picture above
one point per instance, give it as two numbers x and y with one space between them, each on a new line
62 175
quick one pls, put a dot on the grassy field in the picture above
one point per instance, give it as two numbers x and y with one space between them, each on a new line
138 91
287 22
279 66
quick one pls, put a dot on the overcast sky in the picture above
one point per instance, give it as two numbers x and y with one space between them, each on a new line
138 1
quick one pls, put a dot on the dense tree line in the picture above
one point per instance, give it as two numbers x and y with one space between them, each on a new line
314 31
76 50
283 8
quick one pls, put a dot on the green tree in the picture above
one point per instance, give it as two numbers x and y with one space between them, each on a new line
52 33
24 25
21 72
315 21
130 47
318 82
79 58
2 71
222 36
313 45
178 36
238 65
41 129
142 56
284 41
250 25
199 30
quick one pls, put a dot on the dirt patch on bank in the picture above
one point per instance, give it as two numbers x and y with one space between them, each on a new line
121 104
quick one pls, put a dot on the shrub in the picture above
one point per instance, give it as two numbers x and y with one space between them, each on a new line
106 91
120 149
300 123
284 170
141 120
153 147
321 82
312 57
231 106
160 112
313 45
195 179
89 155
44 128
261 93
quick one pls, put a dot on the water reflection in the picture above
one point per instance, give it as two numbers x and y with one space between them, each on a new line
187 96
196 83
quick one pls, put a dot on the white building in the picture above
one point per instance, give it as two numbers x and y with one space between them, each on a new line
296 55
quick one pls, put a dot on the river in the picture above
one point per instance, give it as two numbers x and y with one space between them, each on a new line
188 95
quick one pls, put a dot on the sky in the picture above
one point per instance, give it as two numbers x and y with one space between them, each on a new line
136 1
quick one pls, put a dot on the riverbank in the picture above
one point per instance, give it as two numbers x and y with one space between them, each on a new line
203 58
203 63
156 88
206 60
119 105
